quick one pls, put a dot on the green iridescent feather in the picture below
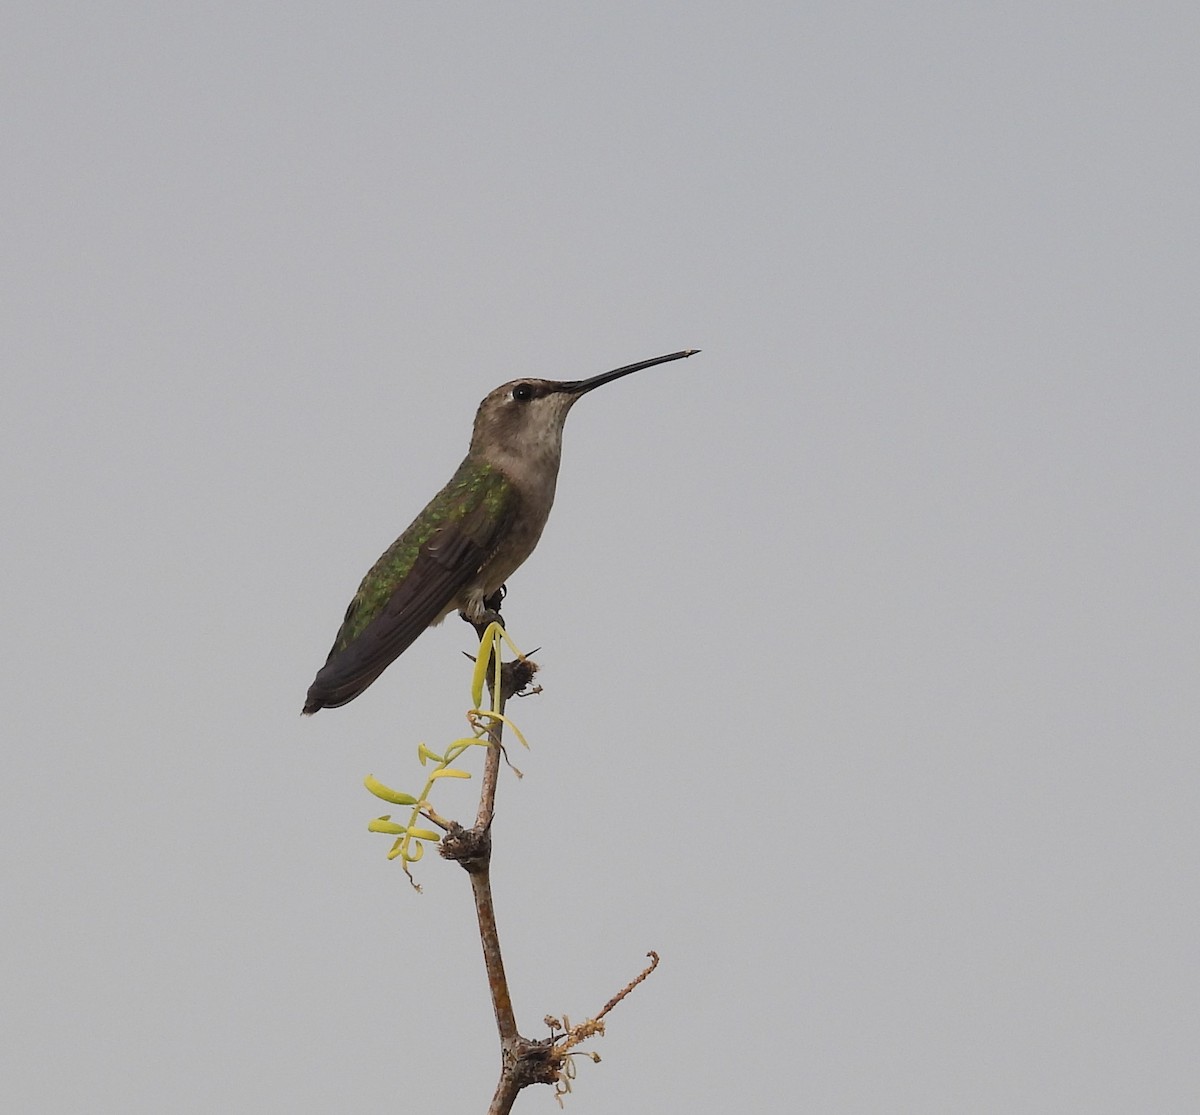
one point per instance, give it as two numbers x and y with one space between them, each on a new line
476 493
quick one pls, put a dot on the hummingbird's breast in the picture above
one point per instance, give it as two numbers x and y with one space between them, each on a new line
535 491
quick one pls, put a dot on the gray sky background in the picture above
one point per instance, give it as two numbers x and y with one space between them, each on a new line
869 635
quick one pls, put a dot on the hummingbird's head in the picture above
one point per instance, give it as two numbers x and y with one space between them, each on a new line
522 418
525 417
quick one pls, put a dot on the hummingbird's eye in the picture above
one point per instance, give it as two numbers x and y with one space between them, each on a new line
523 392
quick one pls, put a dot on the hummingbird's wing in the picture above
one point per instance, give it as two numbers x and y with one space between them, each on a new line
415 583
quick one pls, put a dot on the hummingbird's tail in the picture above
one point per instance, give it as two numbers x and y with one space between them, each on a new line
353 666
323 696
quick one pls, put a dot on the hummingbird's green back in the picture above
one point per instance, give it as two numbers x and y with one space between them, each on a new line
477 500
419 579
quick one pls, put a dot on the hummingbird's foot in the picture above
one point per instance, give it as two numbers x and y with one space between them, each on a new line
488 614
481 620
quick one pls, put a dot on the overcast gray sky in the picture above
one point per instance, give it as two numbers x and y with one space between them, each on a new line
869 635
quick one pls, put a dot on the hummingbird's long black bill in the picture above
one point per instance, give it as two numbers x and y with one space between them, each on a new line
583 386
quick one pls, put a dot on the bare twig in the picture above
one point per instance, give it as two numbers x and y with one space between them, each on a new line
630 985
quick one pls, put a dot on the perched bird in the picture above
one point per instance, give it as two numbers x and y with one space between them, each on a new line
471 537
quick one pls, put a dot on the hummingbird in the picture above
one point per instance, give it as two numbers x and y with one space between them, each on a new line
472 536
